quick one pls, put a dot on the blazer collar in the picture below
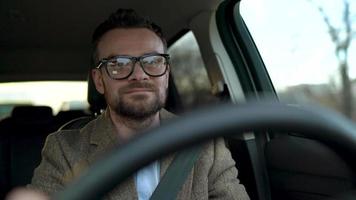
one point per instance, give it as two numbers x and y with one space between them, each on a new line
103 136
103 132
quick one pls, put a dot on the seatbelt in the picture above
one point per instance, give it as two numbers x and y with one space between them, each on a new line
176 174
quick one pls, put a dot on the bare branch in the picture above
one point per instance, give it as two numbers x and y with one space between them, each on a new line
342 38
347 23
333 32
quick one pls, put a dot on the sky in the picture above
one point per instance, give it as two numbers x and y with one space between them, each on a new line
293 39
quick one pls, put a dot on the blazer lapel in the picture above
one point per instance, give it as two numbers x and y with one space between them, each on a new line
165 162
126 190
103 139
103 136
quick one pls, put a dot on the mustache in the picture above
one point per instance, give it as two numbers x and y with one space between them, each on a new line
134 85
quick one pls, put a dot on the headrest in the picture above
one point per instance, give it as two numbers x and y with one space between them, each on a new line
32 112
70 114
95 99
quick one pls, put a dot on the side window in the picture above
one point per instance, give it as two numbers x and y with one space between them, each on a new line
189 72
308 48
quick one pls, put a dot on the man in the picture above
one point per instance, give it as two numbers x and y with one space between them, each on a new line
131 71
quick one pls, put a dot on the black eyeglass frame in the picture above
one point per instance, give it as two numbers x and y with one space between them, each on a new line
104 61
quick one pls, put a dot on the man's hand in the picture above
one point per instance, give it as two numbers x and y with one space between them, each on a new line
26 194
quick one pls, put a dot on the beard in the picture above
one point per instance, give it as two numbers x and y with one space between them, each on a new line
138 107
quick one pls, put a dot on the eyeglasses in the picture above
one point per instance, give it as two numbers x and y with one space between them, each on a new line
121 67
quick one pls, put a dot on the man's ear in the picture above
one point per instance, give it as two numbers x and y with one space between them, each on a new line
98 80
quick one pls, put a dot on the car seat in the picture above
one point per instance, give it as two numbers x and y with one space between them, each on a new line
302 168
22 136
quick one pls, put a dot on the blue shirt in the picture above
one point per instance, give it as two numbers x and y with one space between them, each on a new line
147 180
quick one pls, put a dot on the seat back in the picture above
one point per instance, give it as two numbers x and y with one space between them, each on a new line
22 138
65 116
95 99
302 168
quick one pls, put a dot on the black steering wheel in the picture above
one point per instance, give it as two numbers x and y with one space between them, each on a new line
225 120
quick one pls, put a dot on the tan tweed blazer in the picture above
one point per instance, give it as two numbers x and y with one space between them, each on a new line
67 153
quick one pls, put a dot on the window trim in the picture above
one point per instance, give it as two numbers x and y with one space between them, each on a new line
242 51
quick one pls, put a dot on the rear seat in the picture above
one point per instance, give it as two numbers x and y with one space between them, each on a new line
65 116
22 136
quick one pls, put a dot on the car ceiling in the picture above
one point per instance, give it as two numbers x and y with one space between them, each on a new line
51 40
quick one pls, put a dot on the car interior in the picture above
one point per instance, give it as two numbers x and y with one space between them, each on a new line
51 40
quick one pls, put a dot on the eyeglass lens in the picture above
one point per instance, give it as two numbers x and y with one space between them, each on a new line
121 67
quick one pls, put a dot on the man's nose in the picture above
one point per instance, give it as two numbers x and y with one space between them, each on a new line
138 73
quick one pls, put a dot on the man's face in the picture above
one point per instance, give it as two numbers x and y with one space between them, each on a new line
139 96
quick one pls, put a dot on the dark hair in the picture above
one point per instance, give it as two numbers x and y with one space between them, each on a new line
124 18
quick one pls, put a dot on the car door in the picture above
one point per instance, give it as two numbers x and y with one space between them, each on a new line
285 166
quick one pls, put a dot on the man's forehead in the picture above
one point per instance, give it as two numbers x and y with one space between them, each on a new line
130 41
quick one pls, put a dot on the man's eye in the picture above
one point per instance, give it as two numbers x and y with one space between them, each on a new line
122 64
152 61
117 64
111 64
